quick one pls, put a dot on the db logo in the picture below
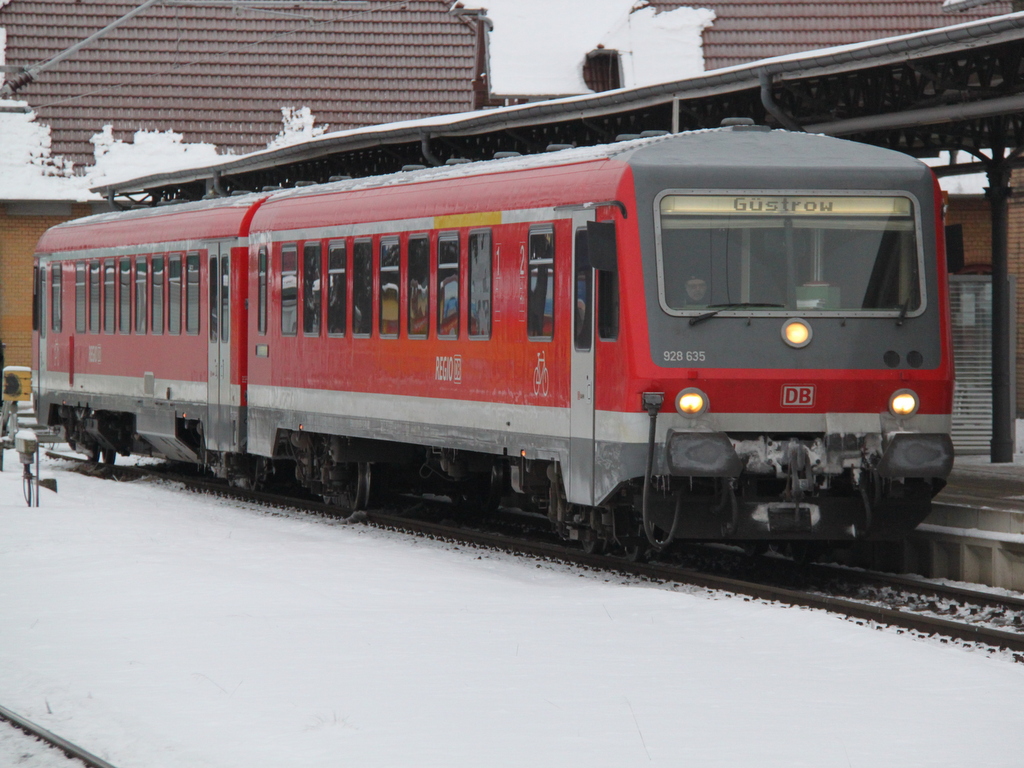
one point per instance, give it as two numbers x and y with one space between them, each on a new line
797 395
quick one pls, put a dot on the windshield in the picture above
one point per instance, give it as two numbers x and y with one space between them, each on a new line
803 253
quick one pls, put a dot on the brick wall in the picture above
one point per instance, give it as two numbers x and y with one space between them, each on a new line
19 232
1015 254
972 212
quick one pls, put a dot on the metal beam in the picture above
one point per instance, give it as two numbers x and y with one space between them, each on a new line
918 117
998 194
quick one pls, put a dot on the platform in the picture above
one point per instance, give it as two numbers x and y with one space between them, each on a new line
975 532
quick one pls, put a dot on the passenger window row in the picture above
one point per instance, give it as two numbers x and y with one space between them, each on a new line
140 294
305 293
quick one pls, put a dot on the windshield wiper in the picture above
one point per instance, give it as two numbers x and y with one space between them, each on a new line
716 308
903 312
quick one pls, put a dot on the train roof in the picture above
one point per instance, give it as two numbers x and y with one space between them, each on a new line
740 148
714 147
207 219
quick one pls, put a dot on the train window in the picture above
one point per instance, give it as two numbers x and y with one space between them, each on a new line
261 292
94 297
174 294
192 293
418 287
157 302
448 286
289 290
141 293
79 298
311 268
801 253
607 305
125 287
225 297
214 298
583 295
362 288
336 288
480 285
109 296
56 299
540 296
390 260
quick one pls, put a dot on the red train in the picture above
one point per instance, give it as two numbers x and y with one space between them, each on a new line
731 334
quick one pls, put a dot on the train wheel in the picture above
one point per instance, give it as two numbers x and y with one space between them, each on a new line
755 548
364 486
593 545
804 552
636 551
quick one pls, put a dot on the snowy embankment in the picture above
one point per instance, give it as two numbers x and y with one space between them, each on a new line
159 629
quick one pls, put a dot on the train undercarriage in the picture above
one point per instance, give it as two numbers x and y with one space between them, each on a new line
793 488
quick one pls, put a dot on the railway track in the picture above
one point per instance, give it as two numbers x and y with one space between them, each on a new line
71 750
931 609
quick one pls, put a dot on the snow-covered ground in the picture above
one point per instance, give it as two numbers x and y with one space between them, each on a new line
163 630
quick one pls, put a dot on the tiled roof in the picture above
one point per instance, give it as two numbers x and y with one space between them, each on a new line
750 30
221 74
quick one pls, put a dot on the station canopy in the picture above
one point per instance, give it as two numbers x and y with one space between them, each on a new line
956 90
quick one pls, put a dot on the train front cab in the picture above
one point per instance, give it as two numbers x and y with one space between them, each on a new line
798 377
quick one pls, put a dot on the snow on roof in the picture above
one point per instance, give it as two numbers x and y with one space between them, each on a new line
538 47
964 184
27 169
150 152
969 184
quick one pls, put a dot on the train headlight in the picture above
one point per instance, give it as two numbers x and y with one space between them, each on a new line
691 402
796 333
903 402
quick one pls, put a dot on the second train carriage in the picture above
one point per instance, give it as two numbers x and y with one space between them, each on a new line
738 333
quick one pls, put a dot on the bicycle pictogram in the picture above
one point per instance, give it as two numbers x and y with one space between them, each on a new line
541 378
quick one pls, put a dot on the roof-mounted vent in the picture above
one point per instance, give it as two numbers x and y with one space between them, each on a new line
652 134
270 188
457 161
627 136
735 122
503 155
557 147
413 167
240 192
305 183
342 177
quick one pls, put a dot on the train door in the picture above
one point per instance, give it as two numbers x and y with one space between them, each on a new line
580 481
220 431
41 299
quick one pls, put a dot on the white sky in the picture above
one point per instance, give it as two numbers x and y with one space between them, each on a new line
166 630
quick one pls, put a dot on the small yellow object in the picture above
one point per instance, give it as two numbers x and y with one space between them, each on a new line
691 402
17 383
904 404
797 334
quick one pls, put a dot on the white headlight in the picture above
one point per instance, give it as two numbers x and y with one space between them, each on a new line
691 402
903 402
796 332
